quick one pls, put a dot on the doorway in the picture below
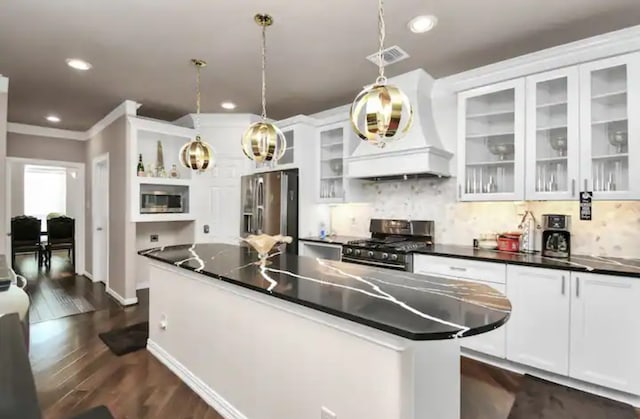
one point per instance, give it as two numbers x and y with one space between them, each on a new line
100 219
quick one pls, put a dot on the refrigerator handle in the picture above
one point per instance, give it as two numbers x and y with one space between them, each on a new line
284 195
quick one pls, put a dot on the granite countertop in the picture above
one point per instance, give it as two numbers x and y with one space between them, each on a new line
416 307
333 239
580 263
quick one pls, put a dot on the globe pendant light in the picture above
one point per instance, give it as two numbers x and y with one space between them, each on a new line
381 113
263 141
196 154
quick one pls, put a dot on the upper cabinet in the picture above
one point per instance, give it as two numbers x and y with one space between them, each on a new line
552 142
551 135
299 132
610 126
491 142
334 142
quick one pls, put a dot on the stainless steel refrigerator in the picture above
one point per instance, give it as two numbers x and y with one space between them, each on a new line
270 205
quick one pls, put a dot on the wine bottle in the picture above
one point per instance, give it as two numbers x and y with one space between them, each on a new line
140 168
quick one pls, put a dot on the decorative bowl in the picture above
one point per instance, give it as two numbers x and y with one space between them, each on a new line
500 149
336 166
263 244
618 139
559 144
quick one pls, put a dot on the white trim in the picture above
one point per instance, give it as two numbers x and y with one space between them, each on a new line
4 84
39 131
142 285
88 275
209 395
606 45
631 399
128 107
297 119
120 299
94 162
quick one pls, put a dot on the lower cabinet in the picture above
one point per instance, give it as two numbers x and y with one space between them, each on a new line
605 331
320 250
539 325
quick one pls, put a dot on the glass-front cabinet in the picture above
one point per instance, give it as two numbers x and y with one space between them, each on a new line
552 141
610 127
335 142
491 142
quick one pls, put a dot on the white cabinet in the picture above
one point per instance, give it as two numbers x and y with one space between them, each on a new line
552 141
539 324
299 132
610 127
335 142
605 321
320 250
491 135
494 342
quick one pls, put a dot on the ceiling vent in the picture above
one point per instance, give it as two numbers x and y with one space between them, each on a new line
390 55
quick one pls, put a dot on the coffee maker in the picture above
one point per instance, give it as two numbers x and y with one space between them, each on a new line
556 237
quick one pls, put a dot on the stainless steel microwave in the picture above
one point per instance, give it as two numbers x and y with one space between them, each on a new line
161 202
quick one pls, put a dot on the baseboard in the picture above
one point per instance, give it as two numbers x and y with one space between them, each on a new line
213 399
142 285
620 396
88 275
120 299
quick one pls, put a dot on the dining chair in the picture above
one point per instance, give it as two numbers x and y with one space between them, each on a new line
25 237
61 236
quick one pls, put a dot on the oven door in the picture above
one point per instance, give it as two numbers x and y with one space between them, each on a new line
375 263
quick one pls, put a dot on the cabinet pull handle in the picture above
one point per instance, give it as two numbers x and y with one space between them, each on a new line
573 187
577 287
455 268
563 284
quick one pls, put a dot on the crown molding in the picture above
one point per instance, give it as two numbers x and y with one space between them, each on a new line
217 119
4 84
126 108
598 47
38 131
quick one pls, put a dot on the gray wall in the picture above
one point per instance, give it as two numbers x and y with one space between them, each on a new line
3 152
45 148
122 236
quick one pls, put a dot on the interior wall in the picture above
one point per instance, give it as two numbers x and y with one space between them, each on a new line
112 140
45 148
3 154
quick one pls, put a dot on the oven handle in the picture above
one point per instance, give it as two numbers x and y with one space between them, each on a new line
368 262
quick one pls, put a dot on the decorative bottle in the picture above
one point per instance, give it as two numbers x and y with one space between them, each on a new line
140 168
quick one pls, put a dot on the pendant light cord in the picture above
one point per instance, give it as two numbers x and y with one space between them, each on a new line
197 122
264 72
382 33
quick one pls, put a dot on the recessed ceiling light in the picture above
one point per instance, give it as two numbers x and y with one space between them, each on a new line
79 64
422 24
53 118
228 105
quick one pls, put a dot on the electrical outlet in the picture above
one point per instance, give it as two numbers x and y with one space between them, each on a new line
206 229
153 238
327 414
163 321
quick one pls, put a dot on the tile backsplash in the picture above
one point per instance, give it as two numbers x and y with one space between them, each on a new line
614 230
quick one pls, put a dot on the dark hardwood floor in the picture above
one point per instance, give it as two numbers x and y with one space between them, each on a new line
74 371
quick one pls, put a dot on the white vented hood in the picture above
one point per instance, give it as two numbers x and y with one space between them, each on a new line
419 153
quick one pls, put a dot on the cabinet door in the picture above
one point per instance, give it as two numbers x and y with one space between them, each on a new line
610 127
288 158
605 320
552 145
491 142
331 143
539 324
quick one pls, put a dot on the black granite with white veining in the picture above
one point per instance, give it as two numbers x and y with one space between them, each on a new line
578 263
333 239
416 307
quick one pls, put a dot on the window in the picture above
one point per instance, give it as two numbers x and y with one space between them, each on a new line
45 191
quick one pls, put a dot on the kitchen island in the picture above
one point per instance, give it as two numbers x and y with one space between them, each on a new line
305 335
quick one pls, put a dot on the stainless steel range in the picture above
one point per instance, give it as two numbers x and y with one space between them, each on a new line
391 243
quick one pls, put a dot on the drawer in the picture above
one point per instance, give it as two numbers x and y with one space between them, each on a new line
460 268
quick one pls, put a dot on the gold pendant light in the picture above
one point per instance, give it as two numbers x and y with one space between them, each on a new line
263 141
196 154
388 114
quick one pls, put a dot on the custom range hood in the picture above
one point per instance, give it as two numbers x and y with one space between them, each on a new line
419 153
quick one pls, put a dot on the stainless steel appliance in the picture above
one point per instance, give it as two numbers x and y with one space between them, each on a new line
556 236
161 202
270 205
391 243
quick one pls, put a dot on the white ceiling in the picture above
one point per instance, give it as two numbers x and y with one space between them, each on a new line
140 49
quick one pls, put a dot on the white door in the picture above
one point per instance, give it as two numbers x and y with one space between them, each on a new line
552 141
605 321
539 325
491 132
610 127
100 219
